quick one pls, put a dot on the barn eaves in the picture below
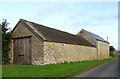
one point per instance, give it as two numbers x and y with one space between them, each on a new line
54 35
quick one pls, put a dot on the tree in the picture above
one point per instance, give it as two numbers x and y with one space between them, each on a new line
112 51
5 41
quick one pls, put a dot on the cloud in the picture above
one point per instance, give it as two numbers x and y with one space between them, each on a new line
49 10
100 18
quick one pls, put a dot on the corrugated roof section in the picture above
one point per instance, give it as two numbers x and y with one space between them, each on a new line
97 37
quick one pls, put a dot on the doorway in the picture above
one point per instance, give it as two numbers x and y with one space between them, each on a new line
22 50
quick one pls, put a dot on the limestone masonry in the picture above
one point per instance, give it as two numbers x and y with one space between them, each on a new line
32 43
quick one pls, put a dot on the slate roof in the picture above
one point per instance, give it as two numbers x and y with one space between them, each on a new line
97 37
54 35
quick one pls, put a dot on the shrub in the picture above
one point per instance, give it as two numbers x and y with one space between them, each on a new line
5 41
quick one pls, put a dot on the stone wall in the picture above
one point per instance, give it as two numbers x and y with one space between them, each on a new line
102 47
88 37
103 50
37 44
51 52
60 52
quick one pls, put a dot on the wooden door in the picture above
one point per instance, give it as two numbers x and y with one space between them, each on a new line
22 51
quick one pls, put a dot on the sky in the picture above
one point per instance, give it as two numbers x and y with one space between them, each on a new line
100 18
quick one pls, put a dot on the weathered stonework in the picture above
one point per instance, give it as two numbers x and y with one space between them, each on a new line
103 50
37 44
44 52
88 37
102 46
61 52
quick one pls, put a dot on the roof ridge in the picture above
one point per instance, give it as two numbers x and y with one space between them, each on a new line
49 27
92 33
55 35
34 29
99 37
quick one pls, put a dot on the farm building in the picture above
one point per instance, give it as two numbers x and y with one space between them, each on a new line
32 43
101 45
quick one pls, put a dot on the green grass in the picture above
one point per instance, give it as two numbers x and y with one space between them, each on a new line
53 70
116 56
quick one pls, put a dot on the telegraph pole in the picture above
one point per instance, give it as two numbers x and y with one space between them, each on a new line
107 38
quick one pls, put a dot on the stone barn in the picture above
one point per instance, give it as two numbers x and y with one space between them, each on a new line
101 44
33 43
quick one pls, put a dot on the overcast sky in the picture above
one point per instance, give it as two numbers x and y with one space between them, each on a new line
100 18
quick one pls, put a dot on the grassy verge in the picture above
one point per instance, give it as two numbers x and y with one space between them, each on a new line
57 70
116 56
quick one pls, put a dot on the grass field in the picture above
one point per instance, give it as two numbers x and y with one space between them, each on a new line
53 70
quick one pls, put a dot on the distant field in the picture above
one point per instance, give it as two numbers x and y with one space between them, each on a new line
53 70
